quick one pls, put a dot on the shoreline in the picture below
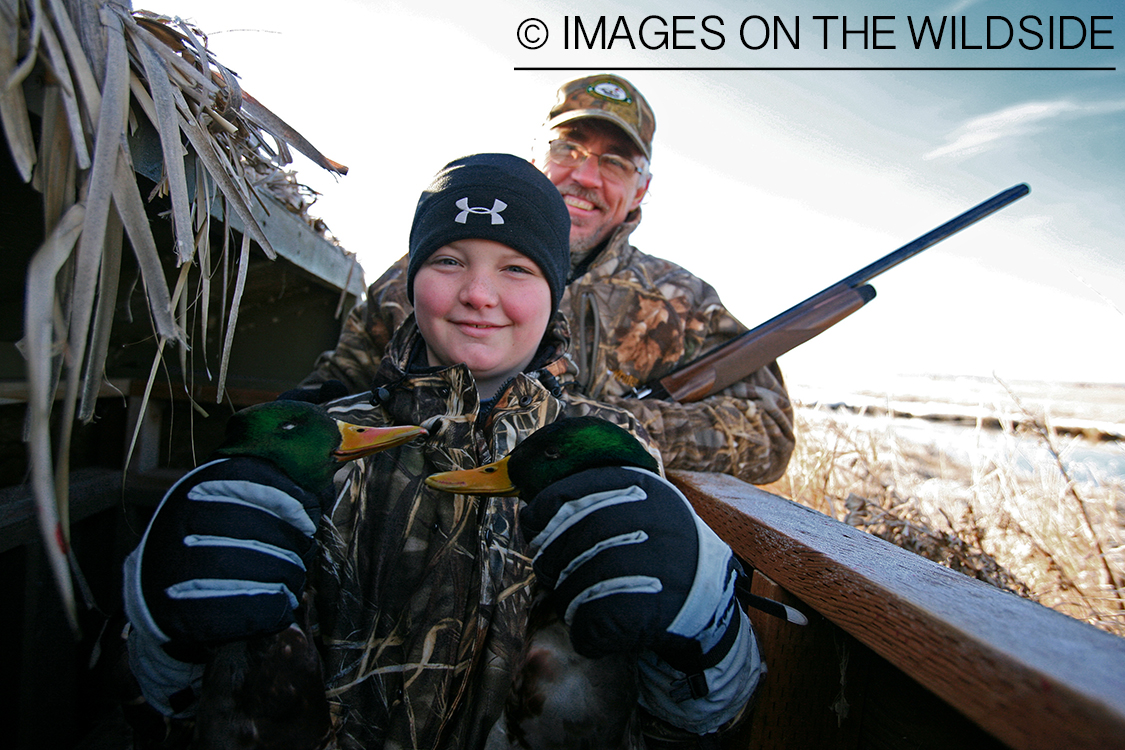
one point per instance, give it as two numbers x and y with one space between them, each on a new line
1098 432
1092 411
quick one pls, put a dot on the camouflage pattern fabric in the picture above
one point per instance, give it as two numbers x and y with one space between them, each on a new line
634 318
422 596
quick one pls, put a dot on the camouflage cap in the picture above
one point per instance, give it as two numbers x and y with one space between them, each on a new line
607 97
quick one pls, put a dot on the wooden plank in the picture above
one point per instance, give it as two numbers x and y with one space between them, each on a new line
812 693
203 393
14 391
146 451
1032 677
899 714
92 490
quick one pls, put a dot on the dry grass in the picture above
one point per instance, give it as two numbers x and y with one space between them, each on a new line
1035 532
101 71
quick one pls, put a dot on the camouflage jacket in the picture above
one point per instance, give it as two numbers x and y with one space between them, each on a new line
634 318
421 597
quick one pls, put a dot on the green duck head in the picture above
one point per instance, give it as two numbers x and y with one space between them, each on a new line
547 455
304 442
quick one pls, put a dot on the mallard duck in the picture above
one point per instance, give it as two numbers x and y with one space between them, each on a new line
560 699
567 447
303 442
267 691
551 453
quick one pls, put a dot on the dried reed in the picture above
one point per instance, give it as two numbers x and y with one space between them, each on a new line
104 70
1034 531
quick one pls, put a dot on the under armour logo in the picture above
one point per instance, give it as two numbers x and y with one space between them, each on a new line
497 206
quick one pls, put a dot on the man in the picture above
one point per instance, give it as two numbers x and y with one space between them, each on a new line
633 317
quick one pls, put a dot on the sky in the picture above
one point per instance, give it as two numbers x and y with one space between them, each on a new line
770 184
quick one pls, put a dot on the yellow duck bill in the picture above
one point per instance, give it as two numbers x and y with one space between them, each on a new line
490 479
357 441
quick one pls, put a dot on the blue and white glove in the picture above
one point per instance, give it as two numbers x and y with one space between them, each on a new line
223 558
634 568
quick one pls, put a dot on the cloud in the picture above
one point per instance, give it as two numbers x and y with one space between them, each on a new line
991 130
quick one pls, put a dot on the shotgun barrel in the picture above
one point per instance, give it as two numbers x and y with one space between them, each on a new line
742 355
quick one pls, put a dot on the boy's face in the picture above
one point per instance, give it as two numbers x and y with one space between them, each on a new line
484 304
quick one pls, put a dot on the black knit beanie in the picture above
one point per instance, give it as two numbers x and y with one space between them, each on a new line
496 197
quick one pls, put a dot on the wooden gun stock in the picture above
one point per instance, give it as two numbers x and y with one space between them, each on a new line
759 346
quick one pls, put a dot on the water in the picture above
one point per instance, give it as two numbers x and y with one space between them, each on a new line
1086 461
1101 406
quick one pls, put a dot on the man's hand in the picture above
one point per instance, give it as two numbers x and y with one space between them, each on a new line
633 567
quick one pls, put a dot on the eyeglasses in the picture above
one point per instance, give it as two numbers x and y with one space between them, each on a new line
571 155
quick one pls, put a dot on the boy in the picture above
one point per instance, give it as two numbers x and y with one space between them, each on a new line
421 598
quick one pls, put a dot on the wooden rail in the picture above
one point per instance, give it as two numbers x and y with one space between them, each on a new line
1028 676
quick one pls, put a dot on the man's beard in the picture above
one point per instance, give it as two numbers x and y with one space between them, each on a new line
580 245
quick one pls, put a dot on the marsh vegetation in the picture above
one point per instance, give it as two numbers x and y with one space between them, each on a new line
1007 501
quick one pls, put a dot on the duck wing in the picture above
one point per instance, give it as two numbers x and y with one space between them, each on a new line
264 693
561 700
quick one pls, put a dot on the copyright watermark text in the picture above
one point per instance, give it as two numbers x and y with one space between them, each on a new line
755 32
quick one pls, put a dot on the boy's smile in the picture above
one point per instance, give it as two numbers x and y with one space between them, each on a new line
481 303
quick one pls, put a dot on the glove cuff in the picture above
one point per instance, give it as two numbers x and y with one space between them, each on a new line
687 656
731 683
167 684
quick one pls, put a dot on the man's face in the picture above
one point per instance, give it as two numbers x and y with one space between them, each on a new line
597 204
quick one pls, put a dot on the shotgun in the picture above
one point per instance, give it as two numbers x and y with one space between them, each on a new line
750 351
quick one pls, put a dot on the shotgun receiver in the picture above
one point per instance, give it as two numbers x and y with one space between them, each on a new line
742 355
